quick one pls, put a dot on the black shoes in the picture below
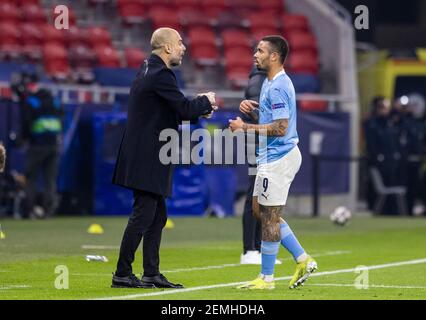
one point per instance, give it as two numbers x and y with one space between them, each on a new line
160 281
129 282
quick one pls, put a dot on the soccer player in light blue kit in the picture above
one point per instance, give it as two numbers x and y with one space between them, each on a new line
278 162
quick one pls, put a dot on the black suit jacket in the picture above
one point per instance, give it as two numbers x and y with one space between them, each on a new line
155 103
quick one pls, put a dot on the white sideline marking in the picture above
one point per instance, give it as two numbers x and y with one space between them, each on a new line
369 286
14 287
165 292
328 253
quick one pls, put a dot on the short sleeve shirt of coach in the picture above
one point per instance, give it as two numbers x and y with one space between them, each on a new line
277 101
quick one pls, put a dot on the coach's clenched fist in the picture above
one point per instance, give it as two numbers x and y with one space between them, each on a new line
210 95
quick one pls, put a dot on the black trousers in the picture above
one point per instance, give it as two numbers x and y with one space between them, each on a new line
252 228
42 160
148 218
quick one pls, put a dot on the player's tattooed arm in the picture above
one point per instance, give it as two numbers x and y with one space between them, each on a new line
278 128
270 217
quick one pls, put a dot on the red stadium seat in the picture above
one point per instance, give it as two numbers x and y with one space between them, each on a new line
294 22
59 70
203 46
121 3
262 20
205 55
190 17
214 8
300 40
243 7
56 60
134 57
192 4
238 76
199 36
151 4
131 11
9 12
51 34
98 36
81 56
9 33
275 6
34 14
216 4
32 39
234 38
164 17
238 57
303 62
31 33
23 3
313 106
228 20
10 37
107 56
158 7
54 51
76 36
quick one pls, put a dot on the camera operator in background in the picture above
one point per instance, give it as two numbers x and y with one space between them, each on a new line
42 133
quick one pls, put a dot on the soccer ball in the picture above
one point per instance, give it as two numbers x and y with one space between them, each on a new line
340 216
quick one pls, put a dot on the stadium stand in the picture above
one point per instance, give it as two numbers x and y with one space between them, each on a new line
217 33
134 57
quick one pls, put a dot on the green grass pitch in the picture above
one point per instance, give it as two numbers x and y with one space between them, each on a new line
204 253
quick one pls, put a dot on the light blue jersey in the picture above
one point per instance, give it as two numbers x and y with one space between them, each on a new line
277 101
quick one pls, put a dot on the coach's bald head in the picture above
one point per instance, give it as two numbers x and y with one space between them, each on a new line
167 43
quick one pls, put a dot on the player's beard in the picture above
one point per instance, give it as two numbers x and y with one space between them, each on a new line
261 68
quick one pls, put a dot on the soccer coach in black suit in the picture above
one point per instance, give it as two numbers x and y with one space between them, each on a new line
155 104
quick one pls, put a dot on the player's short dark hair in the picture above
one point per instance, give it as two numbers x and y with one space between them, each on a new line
278 44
